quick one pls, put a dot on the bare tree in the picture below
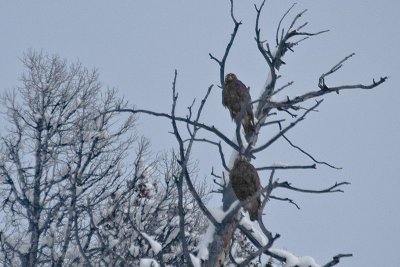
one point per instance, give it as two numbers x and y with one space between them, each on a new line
141 220
219 246
71 193
57 154
70 197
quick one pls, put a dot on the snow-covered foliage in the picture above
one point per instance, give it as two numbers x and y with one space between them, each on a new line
70 195
241 248
56 163
144 216
148 263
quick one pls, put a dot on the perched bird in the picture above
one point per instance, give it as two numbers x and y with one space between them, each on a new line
236 96
245 183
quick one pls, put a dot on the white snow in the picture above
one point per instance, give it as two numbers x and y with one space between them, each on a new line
29 194
148 263
232 159
37 116
196 261
172 236
79 190
207 239
245 221
78 101
96 218
174 221
53 228
24 245
219 214
134 250
113 241
48 239
243 138
267 82
155 246
98 122
292 260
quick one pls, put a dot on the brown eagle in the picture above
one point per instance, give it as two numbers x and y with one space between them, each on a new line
245 183
234 96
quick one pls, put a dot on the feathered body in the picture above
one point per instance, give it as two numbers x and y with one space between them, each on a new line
236 96
245 183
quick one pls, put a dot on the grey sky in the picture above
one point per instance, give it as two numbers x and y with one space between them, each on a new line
136 45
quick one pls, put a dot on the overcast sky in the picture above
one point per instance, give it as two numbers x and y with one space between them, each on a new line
136 45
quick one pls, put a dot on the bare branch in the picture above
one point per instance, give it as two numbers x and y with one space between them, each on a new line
256 243
179 180
222 62
285 199
282 132
289 167
336 259
210 129
309 155
278 29
332 189
282 88
298 99
336 67
221 153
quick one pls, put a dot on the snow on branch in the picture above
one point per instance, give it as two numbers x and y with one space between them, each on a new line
148 263
224 222
155 246
294 261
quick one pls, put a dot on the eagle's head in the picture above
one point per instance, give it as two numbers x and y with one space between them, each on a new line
230 77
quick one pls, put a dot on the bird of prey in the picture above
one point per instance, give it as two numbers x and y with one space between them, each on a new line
236 97
245 183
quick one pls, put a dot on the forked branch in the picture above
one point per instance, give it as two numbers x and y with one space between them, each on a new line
222 62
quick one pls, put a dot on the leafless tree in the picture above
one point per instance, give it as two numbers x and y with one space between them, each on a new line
226 226
69 194
141 220
57 155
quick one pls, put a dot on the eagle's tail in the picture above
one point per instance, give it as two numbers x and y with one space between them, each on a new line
248 125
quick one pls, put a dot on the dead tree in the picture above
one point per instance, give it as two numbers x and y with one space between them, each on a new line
216 248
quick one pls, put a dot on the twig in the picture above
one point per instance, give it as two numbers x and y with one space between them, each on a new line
285 199
325 90
336 259
290 167
218 144
309 155
210 129
221 63
332 189
334 69
179 179
257 244
281 88
280 23
282 132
